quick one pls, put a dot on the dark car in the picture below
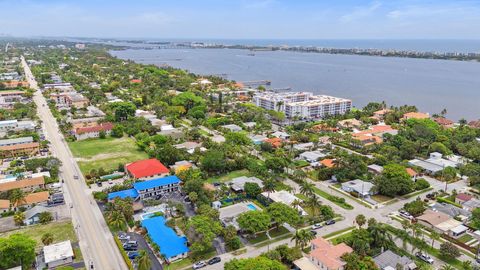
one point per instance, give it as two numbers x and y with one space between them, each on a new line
330 222
99 183
313 232
132 254
129 247
214 260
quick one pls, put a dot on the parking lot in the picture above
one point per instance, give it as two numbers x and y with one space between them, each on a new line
142 244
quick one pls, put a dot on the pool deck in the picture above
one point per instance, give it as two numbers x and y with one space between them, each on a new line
237 209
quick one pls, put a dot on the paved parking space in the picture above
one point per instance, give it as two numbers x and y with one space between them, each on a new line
142 244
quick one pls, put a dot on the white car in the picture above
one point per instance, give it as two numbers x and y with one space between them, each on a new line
316 226
406 215
424 257
199 265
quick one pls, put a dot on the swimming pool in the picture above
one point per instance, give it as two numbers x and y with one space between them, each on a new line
251 207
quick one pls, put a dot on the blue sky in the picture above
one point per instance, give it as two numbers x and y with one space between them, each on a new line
248 19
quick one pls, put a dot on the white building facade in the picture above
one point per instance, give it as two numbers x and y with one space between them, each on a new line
302 104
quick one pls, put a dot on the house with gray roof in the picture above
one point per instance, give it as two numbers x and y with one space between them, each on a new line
391 261
32 215
451 210
237 183
232 128
362 188
311 156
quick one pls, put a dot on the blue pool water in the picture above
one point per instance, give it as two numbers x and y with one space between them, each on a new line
252 207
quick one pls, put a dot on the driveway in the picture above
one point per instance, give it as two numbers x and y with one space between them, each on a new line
142 244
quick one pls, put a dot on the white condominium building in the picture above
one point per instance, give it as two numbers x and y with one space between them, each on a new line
276 101
302 104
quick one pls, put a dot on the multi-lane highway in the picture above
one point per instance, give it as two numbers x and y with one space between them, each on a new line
96 242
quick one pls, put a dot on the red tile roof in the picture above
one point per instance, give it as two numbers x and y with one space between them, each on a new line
443 121
411 172
328 254
275 142
135 81
464 197
146 167
102 127
329 163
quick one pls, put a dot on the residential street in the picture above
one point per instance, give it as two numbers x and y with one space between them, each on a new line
96 241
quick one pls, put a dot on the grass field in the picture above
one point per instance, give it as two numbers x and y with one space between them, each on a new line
61 231
105 153
229 176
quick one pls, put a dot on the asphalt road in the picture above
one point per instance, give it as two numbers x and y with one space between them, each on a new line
96 241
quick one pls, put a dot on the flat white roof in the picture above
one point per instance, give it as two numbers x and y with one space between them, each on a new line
58 251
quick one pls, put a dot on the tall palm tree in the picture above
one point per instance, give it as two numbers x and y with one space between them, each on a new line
298 238
404 236
143 261
17 197
435 236
307 188
269 186
307 237
314 203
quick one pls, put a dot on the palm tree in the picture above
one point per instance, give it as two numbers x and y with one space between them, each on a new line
307 237
307 188
447 267
360 220
269 186
47 238
17 197
314 203
404 236
296 203
435 236
143 261
18 218
116 219
298 238
467 265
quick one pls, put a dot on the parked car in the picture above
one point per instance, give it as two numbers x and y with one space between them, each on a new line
424 257
75 177
132 254
110 182
133 243
317 226
91 265
129 248
123 236
199 265
214 260
330 222
99 183
313 232
405 214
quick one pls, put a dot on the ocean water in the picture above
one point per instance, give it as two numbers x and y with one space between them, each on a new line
431 85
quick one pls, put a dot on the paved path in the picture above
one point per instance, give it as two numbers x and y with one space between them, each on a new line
96 241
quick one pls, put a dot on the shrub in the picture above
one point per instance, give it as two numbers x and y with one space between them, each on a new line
421 184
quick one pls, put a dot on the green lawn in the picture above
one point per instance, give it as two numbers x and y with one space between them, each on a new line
381 198
105 153
229 176
332 234
61 231
275 233
179 264
465 238
258 238
333 199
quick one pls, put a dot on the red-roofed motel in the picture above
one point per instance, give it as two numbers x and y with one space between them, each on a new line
146 169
